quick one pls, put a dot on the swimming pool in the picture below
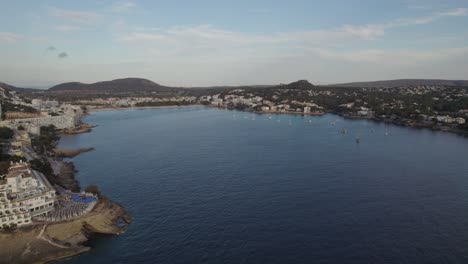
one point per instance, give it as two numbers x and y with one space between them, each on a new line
82 199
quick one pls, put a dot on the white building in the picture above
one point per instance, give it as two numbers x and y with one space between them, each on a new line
217 101
32 125
460 120
44 104
265 108
24 194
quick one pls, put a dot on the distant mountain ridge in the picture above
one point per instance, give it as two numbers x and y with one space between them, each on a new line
128 86
7 86
17 89
118 85
404 82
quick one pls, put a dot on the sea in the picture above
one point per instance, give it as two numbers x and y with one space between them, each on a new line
207 185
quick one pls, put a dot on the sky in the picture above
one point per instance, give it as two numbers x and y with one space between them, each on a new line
217 42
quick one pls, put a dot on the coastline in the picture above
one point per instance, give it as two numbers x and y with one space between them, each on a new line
103 109
412 124
42 242
70 153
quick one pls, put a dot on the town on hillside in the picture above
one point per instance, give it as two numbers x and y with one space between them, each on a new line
31 188
439 105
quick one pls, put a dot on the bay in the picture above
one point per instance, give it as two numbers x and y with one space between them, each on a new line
212 186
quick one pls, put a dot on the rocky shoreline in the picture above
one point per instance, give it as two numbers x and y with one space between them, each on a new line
411 123
82 128
42 243
70 153
45 242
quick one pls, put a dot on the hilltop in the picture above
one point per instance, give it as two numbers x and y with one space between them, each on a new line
9 87
299 85
118 85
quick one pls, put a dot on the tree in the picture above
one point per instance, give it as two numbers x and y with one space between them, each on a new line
6 133
84 108
47 139
42 166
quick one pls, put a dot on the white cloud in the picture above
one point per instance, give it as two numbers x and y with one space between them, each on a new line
393 57
364 32
67 28
455 12
427 19
122 6
252 57
211 37
9 37
419 7
79 17
208 35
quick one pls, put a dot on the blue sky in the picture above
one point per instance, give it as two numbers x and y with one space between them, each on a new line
192 43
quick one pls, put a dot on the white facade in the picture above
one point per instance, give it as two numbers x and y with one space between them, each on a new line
32 125
265 108
24 193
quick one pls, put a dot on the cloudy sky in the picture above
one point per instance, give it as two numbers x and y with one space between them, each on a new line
191 43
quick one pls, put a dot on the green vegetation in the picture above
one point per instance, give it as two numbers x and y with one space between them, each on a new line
85 109
6 133
41 166
47 139
8 228
10 107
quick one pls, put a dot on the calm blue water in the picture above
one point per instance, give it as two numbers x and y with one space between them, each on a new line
204 186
